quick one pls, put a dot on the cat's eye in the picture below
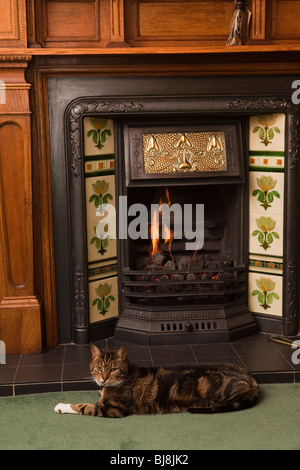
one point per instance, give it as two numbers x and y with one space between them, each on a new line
99 369
113 369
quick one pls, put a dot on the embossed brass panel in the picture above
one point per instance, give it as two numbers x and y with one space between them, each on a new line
173 152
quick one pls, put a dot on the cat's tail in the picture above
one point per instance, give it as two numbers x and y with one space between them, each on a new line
245 400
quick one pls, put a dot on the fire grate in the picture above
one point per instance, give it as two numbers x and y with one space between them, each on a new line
185 287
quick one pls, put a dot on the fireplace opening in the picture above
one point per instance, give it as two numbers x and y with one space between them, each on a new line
162 272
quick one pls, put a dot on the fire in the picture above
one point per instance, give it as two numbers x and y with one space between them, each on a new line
155 232
168 234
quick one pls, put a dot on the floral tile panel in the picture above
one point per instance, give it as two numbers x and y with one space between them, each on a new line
265 293
266 192
267 142
103 299
101 222
99 190
267 132
266 234
98 136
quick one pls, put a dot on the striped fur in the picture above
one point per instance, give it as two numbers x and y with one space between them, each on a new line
126 389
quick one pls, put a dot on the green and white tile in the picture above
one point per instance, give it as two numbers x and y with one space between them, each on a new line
266 192
266 234
98 136
265 293
103 299
99 245
267 132
99 190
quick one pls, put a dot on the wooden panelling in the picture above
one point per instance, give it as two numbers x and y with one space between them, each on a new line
13 23
285 21
20 317
177 21
72 23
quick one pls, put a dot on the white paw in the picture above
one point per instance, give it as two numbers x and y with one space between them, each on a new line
64 408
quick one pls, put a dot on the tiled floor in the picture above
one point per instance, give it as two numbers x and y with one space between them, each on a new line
66 367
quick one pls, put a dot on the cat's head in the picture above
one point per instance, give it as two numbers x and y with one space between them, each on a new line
109 368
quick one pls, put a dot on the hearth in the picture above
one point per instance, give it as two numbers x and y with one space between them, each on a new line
178 150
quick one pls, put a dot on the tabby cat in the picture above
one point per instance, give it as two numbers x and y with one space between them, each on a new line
126 389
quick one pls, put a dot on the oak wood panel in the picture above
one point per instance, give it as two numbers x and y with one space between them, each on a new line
285 21
13 23
20 316
72 23
177 22
20 325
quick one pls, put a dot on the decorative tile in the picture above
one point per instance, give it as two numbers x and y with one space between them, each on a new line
99 166
103 299
266 192
102 269
99 190
99 247
98 136
265 264
265 293
267 161
267 132
266 234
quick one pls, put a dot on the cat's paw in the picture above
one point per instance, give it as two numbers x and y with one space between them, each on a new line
64 408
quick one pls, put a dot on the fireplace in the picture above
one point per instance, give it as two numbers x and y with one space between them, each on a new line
171 294
175 290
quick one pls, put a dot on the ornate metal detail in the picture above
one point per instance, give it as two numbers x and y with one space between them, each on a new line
191 151
79 297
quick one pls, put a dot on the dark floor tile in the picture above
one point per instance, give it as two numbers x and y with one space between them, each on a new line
291 355
51 356
6 390
79 370
179 353
257 338
7 374
267 363
77 385
12 360
38 374
203 351
255 349
46 387
75 354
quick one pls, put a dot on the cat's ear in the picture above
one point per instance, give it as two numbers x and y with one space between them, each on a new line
121 353
96 352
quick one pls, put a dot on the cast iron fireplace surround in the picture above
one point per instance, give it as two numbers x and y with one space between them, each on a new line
152 325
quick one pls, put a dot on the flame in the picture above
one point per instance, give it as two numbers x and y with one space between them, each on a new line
168 234
155 232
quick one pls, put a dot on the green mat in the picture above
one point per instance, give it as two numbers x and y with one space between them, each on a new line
29 422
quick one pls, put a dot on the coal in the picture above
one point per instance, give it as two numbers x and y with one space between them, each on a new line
170 266
183 262
161 289
196 263
158 258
